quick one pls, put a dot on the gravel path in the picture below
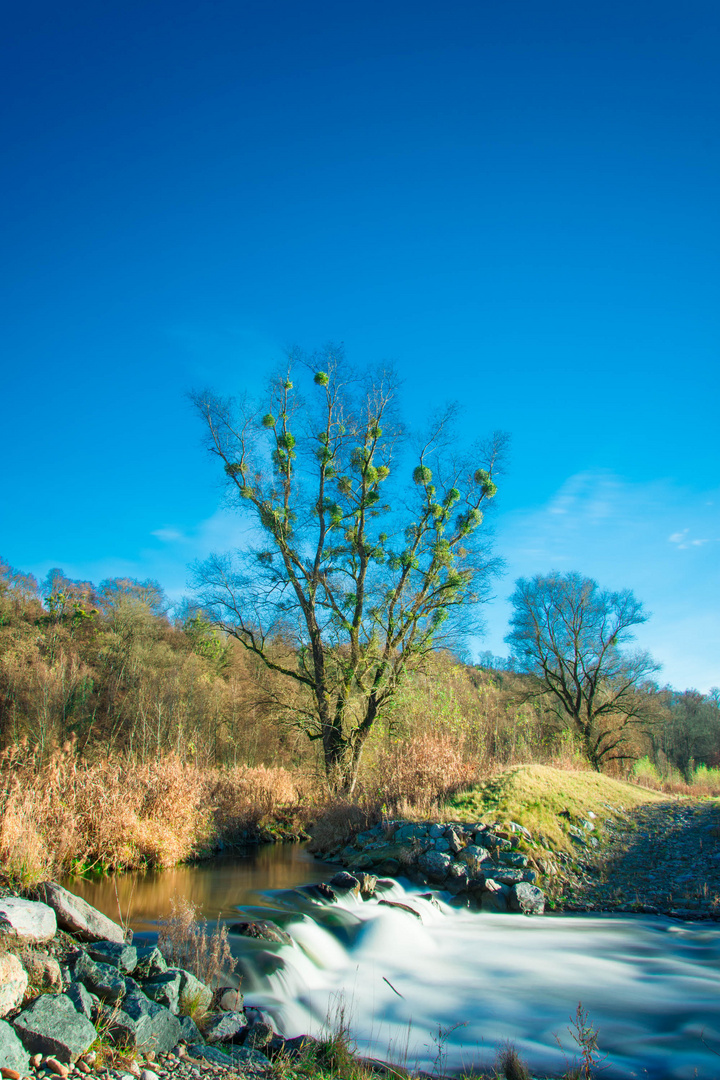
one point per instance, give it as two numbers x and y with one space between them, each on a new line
663 858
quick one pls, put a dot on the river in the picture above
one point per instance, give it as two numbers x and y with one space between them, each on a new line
445 991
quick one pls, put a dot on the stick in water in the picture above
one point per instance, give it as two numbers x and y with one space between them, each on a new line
392 987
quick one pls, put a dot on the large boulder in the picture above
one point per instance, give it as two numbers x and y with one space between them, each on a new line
103 980
527 898
150 962
345 881
52 1025
435 864
13 1054
144 1025
494 897
13 983
78 917
28 921
165 989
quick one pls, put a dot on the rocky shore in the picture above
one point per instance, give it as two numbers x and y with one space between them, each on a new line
78 999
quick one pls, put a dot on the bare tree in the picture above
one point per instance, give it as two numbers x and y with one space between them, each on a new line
353 566
566 634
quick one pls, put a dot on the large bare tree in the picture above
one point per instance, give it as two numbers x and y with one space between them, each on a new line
362 547
566 635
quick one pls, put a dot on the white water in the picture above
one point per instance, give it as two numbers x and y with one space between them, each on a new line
651 986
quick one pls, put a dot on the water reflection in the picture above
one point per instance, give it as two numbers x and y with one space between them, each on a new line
218 888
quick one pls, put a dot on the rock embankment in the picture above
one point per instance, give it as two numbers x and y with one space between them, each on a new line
78 998
478 864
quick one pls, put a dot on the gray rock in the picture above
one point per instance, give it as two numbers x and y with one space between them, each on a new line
120 956
194 994
527 898
225 1026
231 1000
29 921
144 1024
456 840
473 854
189 1031
494 897
13 983
435 864
436 831
52 1025
345 881
441 844
81 999
252 1061
410 832
258 1034
262 931
521 829
165 989
150 962
513 859
104 981
13 1054
78 917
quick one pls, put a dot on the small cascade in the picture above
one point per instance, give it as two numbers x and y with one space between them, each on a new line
452 986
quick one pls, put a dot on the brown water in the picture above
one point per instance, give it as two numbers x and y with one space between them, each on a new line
218 888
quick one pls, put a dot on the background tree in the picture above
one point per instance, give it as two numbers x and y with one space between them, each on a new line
358 555
566 635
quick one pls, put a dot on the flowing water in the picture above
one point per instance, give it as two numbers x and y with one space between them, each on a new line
445 990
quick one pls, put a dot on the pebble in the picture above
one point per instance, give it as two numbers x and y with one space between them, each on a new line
148 1074
9 1074
57 1067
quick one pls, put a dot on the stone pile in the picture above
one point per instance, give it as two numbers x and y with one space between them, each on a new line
98 989
476 863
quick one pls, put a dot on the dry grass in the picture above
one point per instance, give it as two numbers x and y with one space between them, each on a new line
68 813
417 774
703 782
184 942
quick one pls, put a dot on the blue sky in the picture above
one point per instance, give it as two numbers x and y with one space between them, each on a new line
516 203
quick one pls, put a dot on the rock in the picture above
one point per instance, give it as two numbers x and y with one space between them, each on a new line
193 993
512 877
104 981
9 1074
252 1061
150 962
81 999
258 1034
145 1025
389 866
513 859
345 881
148 1074
78 917
435 864
526 832
410 832
368 884
527 898
13 983
494 897
231 1001
436 831
43 970
325 892
455 839
441 844
473 855
165 989
52 1025
120 956
189 1031
263 931
13 1054
57 1067
224 1026
400 907
29 921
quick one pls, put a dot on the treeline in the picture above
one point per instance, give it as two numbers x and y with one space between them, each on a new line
110 668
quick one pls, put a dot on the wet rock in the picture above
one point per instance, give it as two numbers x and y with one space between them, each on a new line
117 955
52 1025
368 885
13 983
400 907
262 931
345 881
324 891
435 864
527 898
27 921
13 1054
78 917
